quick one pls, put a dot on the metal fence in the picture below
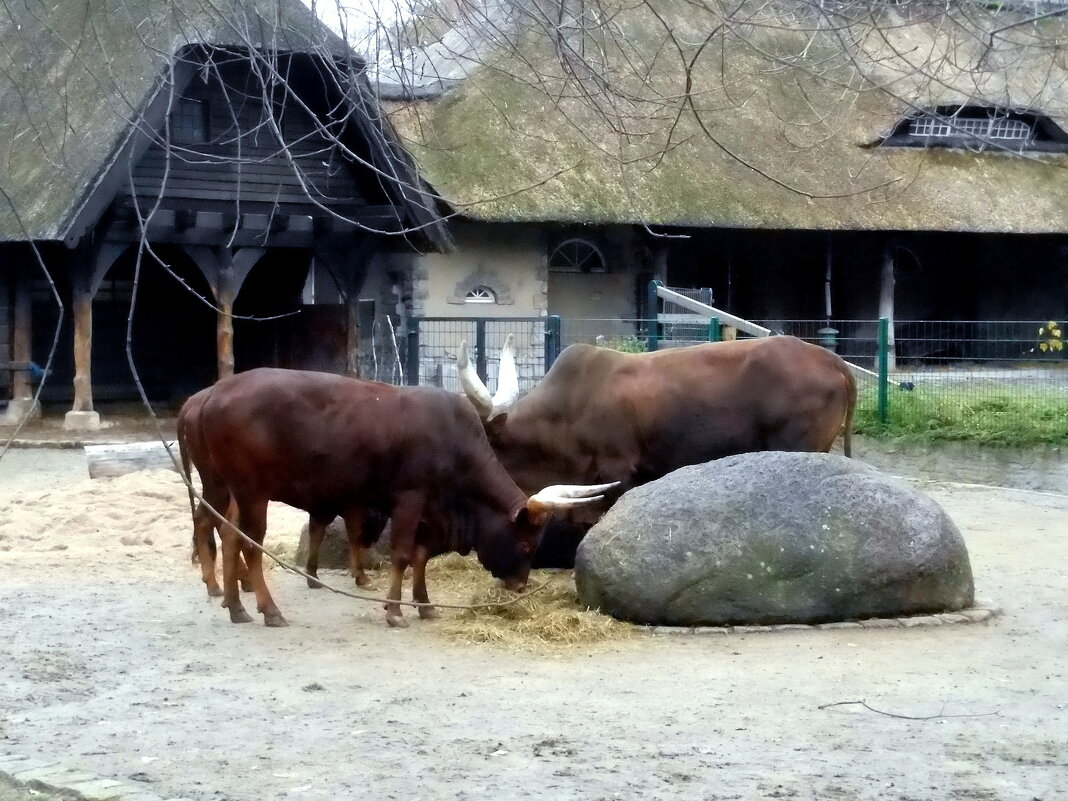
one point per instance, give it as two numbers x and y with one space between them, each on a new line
433 342
935 368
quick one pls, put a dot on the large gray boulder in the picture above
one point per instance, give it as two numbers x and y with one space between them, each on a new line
773 538
334 551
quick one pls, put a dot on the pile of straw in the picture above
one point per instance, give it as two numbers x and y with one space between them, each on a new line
547 617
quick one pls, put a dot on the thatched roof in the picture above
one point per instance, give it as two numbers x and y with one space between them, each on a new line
74 76
779 126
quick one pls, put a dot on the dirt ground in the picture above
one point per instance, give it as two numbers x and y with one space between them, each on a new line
113 660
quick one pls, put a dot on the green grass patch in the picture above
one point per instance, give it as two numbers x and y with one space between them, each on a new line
985 414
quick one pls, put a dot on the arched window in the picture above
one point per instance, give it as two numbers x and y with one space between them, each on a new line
480 294
577 256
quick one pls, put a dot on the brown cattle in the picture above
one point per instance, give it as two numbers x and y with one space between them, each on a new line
340 446
361 534
599 415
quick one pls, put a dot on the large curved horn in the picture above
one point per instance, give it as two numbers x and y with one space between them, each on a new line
472 385
562 496
574 490
507 377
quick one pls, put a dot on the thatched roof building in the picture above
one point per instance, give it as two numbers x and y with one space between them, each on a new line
752 116
201 138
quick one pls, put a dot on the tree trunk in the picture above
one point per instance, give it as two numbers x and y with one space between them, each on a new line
117 459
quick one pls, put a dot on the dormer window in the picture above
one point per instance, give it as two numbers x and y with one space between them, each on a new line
979 128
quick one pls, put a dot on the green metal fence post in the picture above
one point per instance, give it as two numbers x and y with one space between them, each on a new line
652 304
412 357
552 340
713 329
882 353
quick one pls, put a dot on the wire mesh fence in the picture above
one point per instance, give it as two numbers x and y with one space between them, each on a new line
433 342
989 380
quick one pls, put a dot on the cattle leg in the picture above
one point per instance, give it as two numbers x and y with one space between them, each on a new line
242 568
354 530
204 546
422 556
242 556
407 511
231 548
316 532
253 515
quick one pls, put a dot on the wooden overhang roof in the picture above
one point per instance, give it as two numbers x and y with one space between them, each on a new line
85 89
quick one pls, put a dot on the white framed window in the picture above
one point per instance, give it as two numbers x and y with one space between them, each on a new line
480 294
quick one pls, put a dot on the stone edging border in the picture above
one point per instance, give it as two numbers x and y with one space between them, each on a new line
55 777
981 613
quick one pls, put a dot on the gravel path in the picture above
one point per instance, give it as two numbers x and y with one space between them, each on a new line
113 664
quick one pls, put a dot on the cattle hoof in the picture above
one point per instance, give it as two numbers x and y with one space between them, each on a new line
246 585
429 613
275 621
397 621
215 592
314 584
362 580
239 615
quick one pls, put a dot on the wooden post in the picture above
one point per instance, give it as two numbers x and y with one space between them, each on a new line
225 293
226 271
886 303
82 307
350 267
22 336
352 333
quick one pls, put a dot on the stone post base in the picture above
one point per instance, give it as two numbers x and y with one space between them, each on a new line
81 421
18 409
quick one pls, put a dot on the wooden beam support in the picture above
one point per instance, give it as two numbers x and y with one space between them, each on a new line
225 294
82 307
22 336
226 271
351 267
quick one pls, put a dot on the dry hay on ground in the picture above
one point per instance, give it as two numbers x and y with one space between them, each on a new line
547 617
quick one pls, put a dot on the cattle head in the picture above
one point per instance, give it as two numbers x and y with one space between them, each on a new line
489 406
505 543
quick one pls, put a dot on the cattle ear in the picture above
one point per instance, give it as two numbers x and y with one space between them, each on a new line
535 513
496 423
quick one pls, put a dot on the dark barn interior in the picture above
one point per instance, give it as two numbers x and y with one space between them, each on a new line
780 275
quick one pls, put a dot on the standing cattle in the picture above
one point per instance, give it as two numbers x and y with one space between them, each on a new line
599 415
332 445
362 533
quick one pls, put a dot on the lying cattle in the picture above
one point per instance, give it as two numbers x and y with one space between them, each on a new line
205 523
340 446
599 415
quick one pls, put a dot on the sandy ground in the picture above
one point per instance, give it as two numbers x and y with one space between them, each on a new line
113 660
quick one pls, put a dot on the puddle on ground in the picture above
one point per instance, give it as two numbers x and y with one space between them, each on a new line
1043 469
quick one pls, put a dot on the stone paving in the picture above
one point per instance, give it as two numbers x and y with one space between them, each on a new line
982 613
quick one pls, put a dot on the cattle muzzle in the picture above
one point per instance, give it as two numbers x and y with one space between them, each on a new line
515 584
